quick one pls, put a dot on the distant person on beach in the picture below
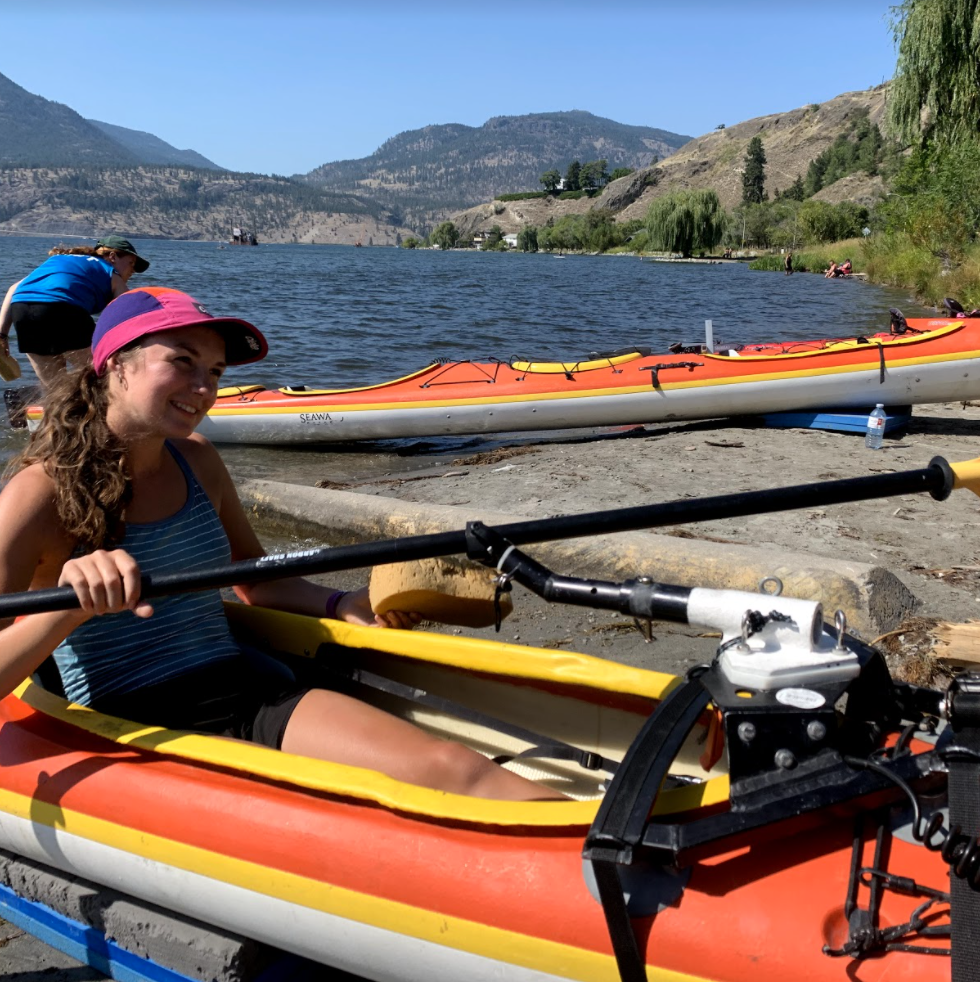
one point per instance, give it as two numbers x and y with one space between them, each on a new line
135 490
832 271
789 263
51 308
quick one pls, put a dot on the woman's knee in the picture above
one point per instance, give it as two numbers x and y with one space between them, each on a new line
455 767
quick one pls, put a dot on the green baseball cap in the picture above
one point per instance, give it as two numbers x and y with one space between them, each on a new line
119 244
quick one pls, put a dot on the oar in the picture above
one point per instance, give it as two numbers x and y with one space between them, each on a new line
939 479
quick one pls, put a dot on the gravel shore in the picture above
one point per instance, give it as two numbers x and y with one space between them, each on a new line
932 546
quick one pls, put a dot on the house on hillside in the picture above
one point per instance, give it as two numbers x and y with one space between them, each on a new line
511 239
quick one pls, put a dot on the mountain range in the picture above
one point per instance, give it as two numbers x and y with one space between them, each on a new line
791 139
63 174
36 132
421 174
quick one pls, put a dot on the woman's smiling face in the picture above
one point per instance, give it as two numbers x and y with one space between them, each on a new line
169 383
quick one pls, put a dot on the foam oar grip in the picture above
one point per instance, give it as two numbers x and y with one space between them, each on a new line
966 474
441 591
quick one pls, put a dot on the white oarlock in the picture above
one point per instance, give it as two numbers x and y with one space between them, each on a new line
791 650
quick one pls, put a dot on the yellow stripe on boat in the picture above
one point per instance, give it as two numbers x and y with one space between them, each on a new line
573 367
847 345
306 634
239 390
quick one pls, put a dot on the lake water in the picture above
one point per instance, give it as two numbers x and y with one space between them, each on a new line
340 316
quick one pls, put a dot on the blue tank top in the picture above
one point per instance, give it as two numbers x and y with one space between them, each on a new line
85 281
119 653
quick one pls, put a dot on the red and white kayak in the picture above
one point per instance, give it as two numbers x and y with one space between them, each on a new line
937 360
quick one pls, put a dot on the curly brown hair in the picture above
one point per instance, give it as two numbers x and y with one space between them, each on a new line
83 457
62 249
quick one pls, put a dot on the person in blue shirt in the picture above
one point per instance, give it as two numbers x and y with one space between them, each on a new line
51 308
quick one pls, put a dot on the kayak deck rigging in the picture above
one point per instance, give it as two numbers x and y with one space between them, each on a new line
464 372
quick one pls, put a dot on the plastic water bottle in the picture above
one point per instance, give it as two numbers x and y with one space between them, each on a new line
876 428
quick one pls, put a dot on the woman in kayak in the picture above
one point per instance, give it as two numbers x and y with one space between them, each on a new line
51 308
115 484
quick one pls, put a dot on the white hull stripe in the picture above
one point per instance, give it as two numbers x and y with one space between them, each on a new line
315 928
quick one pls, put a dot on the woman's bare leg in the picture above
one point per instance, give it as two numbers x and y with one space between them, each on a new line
331 726
47 367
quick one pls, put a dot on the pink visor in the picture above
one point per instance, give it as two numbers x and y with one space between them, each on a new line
152 309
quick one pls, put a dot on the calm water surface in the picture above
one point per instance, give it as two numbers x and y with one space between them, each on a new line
340 316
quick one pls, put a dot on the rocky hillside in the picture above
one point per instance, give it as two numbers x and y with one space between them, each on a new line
791 141
184 203
425 174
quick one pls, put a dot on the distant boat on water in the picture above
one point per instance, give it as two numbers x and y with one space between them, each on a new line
241 236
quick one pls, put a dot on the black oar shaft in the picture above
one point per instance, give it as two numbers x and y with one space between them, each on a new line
935 479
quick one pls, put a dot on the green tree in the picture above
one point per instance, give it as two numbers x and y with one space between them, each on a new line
527 239
814 176
823 222
620 172
573 177
938 70
686 221
446 235
599 231
754 175
550 179
757 225
795 191
935 200
593 174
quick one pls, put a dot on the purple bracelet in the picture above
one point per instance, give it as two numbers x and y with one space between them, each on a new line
330 608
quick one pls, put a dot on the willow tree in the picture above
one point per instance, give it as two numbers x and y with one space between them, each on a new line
685 222
935 94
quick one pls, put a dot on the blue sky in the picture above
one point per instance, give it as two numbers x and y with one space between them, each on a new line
282 86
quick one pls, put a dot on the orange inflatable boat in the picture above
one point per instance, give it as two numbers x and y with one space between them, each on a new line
739 825
786 811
